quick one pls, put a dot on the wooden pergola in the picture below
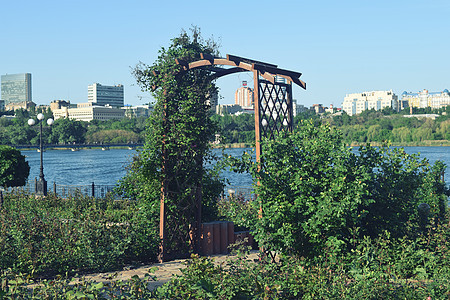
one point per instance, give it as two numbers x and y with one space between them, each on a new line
273 97
272 105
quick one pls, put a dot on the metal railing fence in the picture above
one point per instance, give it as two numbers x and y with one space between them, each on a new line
245 192
105 190
65 190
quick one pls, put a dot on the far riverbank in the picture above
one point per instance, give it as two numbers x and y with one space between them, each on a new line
428 143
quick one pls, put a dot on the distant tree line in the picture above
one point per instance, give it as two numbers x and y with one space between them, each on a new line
16 131
369 126
387 125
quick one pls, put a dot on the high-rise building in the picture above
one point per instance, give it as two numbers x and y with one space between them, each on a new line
16 88
106 95
358 102
244 96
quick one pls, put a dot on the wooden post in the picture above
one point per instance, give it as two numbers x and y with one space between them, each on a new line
224 237
198 218
162 223
257 115
162 208
290 107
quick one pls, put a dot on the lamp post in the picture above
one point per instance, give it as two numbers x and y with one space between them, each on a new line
41 184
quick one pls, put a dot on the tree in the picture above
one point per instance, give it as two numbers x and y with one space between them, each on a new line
65 131
177 139
14 169
401 134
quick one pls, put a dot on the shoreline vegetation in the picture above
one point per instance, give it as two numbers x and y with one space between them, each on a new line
428 143
431 143
369 127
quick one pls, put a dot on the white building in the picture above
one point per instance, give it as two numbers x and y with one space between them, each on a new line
244 96
231 109
425 99
358 102
106 95
88 112
297 108
137 111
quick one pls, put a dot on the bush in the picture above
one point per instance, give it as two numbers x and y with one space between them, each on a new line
53 236
377 268
239 210
14 169
315 193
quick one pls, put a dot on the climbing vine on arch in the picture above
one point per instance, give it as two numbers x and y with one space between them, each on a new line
178 138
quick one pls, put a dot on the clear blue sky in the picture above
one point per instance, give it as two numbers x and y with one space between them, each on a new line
340 47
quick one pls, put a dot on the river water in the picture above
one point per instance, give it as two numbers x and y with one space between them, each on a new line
107 167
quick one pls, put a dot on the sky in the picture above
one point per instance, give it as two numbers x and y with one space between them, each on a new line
340 47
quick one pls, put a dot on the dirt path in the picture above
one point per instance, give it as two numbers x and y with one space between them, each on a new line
163 273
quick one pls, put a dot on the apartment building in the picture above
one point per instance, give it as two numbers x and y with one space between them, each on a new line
358 102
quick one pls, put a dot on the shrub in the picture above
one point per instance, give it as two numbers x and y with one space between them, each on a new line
383 267
14 169
239 210
313 191
53 236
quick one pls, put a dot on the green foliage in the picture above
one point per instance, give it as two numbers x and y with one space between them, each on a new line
385 125
236 129
239 210
313 191
178 137
57 236
128 129
113 136
376 268
65 131
369 126
14 169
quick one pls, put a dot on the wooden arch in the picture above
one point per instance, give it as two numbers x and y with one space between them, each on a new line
273 113
272 90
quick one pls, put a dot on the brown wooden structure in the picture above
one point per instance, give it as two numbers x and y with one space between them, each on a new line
272 105
273 97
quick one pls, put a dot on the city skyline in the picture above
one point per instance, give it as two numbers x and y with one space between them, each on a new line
340 47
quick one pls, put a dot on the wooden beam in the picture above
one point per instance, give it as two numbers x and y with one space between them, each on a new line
207 56
182 63
248 60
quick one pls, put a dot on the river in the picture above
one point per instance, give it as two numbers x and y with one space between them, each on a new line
107 167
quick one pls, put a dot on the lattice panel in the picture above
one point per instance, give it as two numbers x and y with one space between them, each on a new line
275 106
